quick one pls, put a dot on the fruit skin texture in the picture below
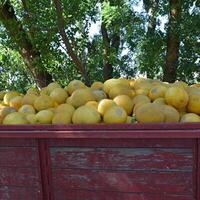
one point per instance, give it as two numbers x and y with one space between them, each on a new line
44 117
74 85
4 111
157 91
159 101
43 102
110 83
125 102
80 97
9 95
65 108
190 117
104 105
194 104
52 86
176 97
149 112
27 109
59 95
92 104
86 115
15 118
29 99
171 114
16 102
31 118
62 118
120 90
115 114
97 85
141 98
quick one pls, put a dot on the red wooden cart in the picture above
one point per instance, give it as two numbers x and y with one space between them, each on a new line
100 162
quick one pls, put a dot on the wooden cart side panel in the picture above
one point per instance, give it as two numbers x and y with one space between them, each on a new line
164 159
144 167
105 195
19 170
122 142
198 170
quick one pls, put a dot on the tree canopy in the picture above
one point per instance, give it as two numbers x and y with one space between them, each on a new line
92 40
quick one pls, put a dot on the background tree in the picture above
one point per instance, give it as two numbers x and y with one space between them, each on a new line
129 38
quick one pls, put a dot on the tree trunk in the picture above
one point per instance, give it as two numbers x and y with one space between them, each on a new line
61 26
151 7
29 54
107 68
173 42
111 43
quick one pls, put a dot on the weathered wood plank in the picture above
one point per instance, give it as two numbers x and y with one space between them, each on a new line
19 177
18 156
168 143
149 182
122 158
98 195
17 142
19 193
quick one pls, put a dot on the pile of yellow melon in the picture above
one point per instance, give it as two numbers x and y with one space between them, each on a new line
114 101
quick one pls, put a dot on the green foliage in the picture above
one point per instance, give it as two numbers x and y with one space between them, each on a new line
137 51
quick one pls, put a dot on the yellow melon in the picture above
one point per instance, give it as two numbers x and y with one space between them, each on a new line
43 102
16 102
44 90
142 91
141 98
194 103
52 86
74 85
97 85
81 96
65 108
27 109
59 95
160 101
29 99
115 114
31 118
125 102
92 104
33 91
196 85
190 117
149 112
5 110
99 95
180 84
62 118
15 118
131 83
157 91
137 105
141 83
104 105
171 114
120 90
44 117
110 83
177 97
86 115
9 95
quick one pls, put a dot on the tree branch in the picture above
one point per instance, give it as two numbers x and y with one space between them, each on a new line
26 49
61 24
